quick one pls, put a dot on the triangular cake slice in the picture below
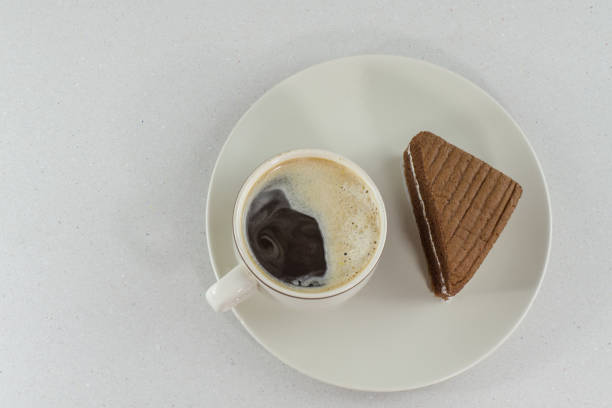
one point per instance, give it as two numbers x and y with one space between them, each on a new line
461 205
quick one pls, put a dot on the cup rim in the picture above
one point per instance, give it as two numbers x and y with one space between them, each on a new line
242 245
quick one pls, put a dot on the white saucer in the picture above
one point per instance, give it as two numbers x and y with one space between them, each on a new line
394 334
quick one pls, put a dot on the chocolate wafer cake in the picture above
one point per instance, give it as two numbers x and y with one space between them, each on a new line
461 205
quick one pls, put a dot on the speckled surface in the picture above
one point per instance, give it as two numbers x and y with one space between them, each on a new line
111 117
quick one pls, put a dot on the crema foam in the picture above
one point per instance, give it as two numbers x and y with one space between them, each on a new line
312 224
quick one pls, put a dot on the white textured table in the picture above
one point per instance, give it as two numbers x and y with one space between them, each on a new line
111 117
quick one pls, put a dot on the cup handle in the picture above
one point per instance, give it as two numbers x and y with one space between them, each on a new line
237 285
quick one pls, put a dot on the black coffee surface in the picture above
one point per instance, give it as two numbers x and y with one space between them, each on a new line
286 242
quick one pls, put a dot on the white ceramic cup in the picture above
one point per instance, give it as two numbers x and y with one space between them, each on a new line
247 276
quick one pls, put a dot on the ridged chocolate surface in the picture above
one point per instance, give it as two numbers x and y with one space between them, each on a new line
468 204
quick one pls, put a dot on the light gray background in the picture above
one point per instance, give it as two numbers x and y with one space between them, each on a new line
111 117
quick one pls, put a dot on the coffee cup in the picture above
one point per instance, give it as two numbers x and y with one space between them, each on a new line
309 227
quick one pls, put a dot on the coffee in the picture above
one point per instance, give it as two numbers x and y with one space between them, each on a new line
312 224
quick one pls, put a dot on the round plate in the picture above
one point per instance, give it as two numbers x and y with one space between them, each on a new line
394 334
